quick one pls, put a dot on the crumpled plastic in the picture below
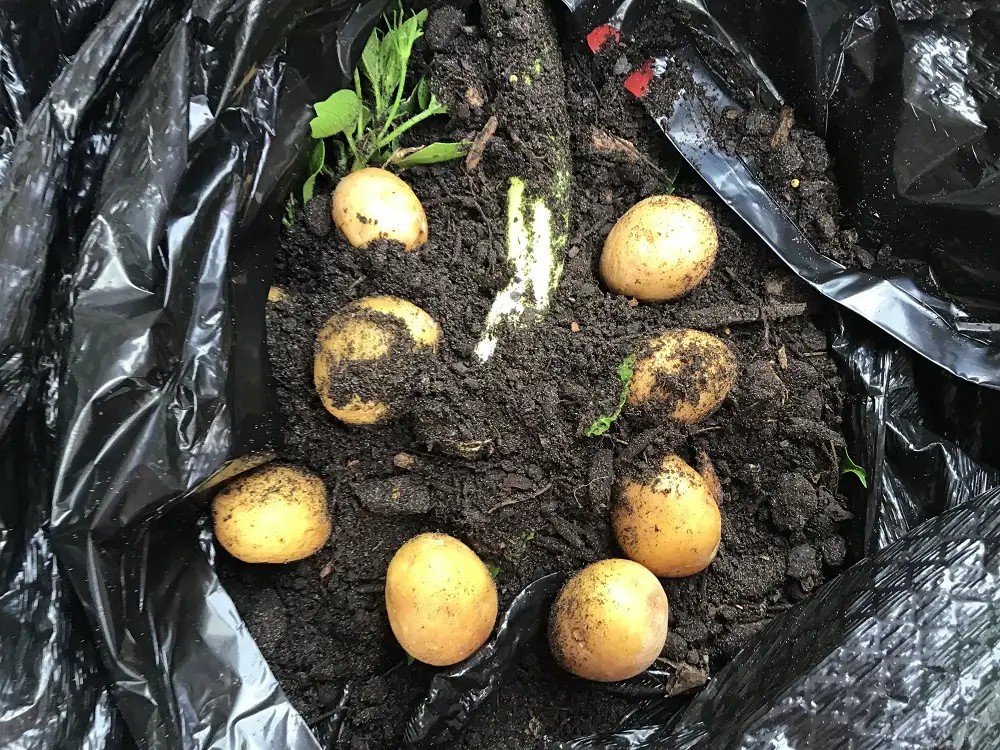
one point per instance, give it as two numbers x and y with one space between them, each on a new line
146 149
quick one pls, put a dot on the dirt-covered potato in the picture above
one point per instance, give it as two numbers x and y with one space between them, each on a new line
373 204
277 514
687 372
660 249
441 599
669 522
609 622
367 355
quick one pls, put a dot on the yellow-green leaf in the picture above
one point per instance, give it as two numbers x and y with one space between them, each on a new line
316 161
432 154
337 114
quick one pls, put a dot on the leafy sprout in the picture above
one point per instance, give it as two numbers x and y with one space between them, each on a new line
494 570
366 122
847 466
626 370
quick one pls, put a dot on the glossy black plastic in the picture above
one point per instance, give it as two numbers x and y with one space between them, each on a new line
146 149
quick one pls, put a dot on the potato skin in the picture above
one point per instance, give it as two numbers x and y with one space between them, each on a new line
687 371
373 204
609 622
441 599
660 249
277 514
352 336
670 523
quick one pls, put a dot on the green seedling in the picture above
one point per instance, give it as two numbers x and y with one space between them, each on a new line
626 370
847 466
494 570
363 125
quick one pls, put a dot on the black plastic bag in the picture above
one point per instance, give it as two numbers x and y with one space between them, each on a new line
139 201
140 206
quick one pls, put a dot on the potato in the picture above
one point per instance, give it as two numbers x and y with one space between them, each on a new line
441 599
686 371
609 622
366 356
669 523
277 514
660 249
373 204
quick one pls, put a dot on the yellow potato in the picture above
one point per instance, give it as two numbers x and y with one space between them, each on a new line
660 249
373 204
609 622
669 523
686 371
377 338
277 514
441 599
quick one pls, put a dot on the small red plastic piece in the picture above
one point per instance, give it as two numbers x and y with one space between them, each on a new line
637 84
601 36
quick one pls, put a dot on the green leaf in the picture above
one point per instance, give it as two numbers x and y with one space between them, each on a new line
337 114
432 154
409 660
494 570
626 371
289 218
371 61
847 466
394 51
317 159
414 103
423 92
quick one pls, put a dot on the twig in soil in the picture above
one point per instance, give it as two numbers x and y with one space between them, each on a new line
703 430
723 316
605 143
478 147
780 137
517 500
354 285
586 486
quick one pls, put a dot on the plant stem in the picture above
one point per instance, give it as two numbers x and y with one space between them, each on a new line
430 112
361 111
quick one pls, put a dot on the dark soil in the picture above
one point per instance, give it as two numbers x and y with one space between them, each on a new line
535 498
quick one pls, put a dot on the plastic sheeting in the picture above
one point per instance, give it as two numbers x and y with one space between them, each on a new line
146 147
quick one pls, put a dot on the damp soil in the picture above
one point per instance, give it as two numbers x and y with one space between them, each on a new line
535 497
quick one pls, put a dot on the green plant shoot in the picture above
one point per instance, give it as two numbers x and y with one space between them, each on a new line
370 118
626 370
847 466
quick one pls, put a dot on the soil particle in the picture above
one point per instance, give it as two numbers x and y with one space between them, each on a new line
402 495
317 215
834 551
793 502
443 24
803 563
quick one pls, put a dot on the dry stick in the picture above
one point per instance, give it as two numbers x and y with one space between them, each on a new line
722 316
478 147
515 501
780 137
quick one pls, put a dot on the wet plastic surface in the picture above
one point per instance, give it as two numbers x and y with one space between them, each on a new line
140 206
140 203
